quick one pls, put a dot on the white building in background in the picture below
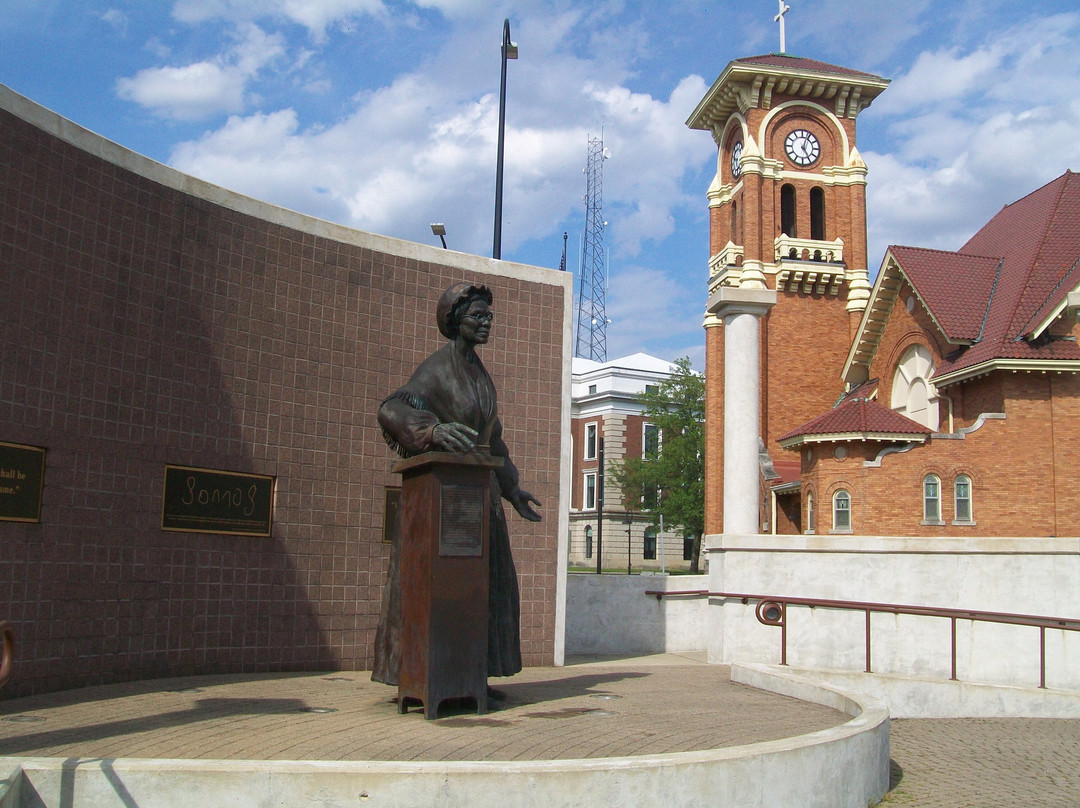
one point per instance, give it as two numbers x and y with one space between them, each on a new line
604 405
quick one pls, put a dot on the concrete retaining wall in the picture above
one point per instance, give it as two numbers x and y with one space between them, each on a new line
1033 576
611 614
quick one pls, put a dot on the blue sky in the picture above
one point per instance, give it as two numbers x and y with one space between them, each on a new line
382 115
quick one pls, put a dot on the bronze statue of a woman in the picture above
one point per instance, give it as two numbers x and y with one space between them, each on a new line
449 405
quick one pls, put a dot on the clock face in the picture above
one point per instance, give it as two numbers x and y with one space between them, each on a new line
802 147
736 156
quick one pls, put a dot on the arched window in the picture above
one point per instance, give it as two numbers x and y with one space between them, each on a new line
817 214
787 210
962 499
810 513
913 394
649 550
735 237
588 541
841 510
931 497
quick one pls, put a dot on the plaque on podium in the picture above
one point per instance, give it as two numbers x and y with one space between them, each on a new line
445 520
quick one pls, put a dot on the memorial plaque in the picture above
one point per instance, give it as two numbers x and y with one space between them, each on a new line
462 516
22 474
211 501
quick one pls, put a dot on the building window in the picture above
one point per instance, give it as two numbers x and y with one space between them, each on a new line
913 394
841 510
962 498
787 210
809 513
590 492
817 214
588 541
688 548
590 441
931 497
592 389
650 441
649 550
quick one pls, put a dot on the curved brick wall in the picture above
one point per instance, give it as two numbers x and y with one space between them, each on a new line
149 318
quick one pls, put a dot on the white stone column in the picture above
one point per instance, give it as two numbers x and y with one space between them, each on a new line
741 310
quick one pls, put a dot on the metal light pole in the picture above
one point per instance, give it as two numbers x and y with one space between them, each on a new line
600 511
509 51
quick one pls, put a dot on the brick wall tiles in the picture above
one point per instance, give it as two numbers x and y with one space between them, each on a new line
146 327
805 346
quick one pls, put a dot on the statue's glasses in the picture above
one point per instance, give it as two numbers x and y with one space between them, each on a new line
481 318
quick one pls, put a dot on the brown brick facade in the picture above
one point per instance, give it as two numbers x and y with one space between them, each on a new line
1019 467
143 325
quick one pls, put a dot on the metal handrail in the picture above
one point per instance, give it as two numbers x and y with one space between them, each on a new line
7 655
778 617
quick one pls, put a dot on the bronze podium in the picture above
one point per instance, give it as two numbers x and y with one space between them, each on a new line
445 519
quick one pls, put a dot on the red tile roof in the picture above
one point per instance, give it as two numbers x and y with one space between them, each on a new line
1001 286
955 287
860 419
790 62
790 471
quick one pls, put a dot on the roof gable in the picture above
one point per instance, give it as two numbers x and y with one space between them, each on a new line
997 295
954 288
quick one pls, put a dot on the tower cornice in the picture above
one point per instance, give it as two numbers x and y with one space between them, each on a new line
751 83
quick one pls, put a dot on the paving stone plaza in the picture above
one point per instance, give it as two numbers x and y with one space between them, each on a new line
586 710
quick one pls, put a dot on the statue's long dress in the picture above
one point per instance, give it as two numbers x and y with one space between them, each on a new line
453 387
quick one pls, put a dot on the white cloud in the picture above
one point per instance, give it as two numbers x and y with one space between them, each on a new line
423 149
870 33
207 87
315 15
971 131
647 307
117 19
189 92
941 76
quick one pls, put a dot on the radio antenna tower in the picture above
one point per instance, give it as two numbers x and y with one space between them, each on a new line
592 319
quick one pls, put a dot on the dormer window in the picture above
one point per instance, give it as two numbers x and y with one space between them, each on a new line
913 394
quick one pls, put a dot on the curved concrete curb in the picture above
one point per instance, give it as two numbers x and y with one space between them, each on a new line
915 697
841 767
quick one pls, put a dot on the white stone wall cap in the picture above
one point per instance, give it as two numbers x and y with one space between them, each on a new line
738 300
817 543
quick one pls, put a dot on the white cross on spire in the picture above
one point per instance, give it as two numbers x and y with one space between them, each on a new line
784 9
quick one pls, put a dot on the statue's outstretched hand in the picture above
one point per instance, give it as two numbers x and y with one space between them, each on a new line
453 437
520 499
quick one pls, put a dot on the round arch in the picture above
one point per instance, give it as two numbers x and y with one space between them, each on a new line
786 107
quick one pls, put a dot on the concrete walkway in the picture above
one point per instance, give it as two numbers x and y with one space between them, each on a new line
592 708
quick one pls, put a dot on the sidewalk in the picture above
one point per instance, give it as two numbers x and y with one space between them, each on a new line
592 708
615 709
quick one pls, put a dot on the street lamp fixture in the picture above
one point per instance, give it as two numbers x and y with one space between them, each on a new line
509 51
439 229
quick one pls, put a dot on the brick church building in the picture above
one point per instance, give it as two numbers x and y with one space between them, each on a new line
940 401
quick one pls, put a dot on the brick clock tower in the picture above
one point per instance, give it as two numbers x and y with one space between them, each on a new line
787 221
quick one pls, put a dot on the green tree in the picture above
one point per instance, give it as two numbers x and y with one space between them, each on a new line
670 479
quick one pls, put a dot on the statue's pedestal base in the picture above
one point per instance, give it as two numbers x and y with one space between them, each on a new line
445 521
